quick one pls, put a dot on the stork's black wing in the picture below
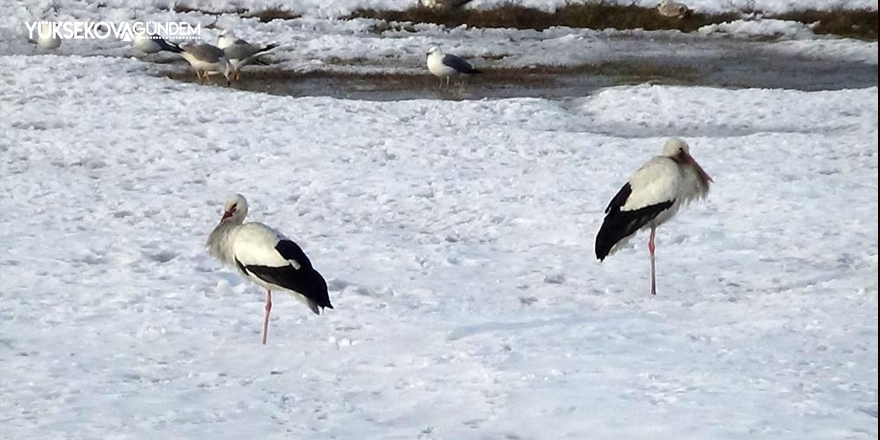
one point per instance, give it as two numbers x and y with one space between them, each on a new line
619 224
304 280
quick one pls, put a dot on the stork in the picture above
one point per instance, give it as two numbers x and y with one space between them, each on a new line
650 198
267 258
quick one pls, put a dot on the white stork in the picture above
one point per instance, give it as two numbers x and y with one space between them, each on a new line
266 257
651 197
444 65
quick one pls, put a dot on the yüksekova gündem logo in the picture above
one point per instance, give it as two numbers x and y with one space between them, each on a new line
100 30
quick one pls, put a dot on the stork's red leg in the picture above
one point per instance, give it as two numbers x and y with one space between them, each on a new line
266 316
653 272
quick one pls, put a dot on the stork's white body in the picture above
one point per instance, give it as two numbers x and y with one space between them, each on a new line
254 244
651 197
662 179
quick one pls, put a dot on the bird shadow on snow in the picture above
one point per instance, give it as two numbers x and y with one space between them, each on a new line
343 286
715 131
489 327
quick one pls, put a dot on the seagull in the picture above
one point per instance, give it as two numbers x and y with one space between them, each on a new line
267 258
206 58
444 65
46 38
651 197
153 43
670 8
239 52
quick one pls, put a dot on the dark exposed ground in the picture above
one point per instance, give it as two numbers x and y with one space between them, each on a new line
857 23
862 24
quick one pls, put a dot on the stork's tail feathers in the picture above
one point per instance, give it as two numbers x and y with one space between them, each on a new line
318 297
604 241
618 226
316 308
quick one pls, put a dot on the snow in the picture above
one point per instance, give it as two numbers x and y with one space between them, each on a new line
457 239
760 28
339 8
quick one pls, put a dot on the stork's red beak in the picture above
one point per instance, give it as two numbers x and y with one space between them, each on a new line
226 214
705 176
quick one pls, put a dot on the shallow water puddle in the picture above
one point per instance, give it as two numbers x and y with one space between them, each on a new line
728 70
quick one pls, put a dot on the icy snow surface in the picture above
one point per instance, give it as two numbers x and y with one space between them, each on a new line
457 240
338 8
456 236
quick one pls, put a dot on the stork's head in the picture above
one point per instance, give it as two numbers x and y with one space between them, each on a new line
235 209
676 147
679 151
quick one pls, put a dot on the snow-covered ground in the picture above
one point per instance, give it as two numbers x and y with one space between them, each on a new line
457 238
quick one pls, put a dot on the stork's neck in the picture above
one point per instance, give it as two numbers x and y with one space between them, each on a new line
220 241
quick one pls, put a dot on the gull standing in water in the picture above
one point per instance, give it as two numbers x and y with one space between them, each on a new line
267 258
443 65
206 58
239 52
